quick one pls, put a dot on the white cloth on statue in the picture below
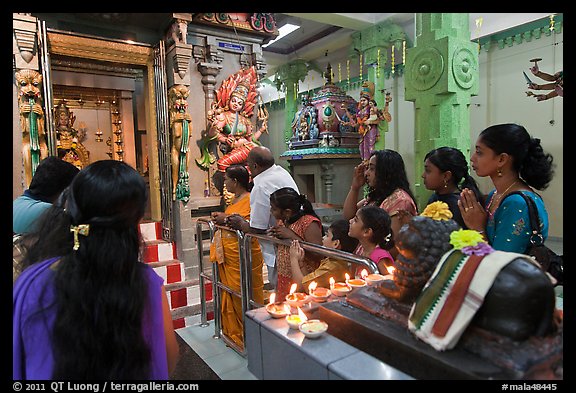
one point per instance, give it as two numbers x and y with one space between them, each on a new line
429 310
265 183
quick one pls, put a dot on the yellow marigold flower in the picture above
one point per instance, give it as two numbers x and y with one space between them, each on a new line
465 238
437 211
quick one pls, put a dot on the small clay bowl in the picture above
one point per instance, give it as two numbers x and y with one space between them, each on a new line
341 289
320 294
313 328
297 299
278 310
356 283
294 321
374 278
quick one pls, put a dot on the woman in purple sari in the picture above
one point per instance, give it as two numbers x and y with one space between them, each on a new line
85 307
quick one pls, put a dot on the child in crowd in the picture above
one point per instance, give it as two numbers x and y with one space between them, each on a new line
336 237
372 226
296 220
446 173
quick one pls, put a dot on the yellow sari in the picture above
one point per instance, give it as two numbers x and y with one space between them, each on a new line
224 251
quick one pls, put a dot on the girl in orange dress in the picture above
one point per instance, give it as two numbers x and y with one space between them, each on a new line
296 220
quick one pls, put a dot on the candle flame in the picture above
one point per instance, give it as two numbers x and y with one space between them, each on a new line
312 287
347 276
363 273
293 288
391 269
272 297
302 316
332 281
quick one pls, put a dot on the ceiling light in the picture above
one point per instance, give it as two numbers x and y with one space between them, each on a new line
283 32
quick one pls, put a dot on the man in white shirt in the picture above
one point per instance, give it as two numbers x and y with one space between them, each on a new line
268 177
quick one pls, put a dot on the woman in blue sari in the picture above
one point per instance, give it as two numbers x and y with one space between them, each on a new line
515 162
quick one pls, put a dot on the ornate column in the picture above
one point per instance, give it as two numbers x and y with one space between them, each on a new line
288 76
327 175
178 52
373 44
29 136
441 75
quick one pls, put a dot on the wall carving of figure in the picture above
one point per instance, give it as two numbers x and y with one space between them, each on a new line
68 144
180 124
230 123
178 32
34 148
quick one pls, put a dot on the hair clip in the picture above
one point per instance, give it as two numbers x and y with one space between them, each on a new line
82 229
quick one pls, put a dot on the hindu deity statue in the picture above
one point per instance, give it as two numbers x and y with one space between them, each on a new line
367 118
69 147
230 121
181 128
305 123
34 148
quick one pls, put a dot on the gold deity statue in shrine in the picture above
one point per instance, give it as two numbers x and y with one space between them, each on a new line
69 147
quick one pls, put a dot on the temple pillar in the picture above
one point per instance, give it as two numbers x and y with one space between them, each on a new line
372 45
288 76
441 75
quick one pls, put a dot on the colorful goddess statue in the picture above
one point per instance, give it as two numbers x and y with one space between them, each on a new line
367 118
68 144
34 148
230 121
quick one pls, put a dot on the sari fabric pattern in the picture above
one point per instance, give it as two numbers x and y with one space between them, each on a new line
224 250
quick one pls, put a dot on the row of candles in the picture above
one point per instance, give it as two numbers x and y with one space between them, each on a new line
313 286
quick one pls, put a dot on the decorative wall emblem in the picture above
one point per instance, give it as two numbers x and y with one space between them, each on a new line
464 67
426 69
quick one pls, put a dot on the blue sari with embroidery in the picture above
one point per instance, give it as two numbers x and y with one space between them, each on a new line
508 229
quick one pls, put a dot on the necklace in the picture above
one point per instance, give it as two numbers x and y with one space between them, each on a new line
496 197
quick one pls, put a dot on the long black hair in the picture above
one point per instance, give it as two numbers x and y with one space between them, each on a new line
100 288
533 165
390 175
288 198
451 159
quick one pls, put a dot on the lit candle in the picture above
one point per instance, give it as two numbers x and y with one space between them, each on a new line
391 269
272 297
293 288
332 281
303 316
347 276
312 287
363 273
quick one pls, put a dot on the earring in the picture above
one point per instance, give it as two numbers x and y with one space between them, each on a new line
445 184
499 172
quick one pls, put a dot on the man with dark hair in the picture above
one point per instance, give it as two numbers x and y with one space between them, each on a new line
52 176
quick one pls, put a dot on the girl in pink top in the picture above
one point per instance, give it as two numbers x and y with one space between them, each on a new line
371 225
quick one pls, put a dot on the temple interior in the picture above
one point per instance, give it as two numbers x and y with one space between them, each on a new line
144 88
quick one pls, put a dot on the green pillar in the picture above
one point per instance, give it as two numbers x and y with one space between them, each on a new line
441 75
374 43
288 76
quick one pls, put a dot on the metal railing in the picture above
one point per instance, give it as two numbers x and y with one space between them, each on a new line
245 260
